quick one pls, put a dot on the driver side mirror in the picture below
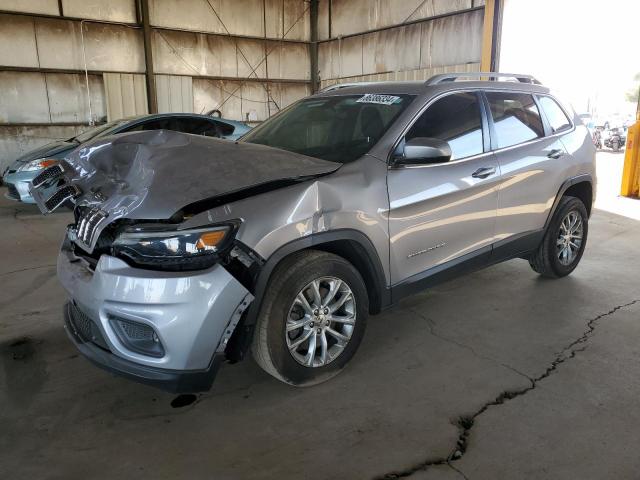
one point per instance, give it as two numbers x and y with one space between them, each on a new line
421 150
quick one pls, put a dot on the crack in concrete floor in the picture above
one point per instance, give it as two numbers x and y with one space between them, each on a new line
466 422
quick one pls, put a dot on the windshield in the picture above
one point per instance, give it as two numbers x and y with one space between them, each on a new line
339 129
101 130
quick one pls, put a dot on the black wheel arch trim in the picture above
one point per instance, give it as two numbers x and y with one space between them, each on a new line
585 177
376 272
317 240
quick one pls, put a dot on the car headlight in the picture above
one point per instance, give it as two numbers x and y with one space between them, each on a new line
37 164
157 247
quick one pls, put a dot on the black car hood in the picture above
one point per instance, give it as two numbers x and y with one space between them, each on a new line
152 175
53 149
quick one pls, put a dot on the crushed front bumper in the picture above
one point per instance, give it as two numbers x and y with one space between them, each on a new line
192 315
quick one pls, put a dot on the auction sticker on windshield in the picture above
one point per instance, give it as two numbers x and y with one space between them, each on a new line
377 98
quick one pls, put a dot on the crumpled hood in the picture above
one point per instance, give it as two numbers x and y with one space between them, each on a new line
152 175
52 149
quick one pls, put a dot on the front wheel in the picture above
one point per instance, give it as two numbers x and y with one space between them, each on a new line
312 318
564 241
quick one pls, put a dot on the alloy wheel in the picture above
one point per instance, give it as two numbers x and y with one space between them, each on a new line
570 238
320 321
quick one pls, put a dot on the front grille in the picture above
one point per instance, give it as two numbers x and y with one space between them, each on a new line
87 223
62 195
48 173
85 328
13 191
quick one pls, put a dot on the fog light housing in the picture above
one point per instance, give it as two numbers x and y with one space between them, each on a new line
137 337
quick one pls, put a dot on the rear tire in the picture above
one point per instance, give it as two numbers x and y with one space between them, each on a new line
329 336
564 241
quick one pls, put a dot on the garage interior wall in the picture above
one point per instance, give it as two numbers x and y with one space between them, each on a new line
246 58
375 40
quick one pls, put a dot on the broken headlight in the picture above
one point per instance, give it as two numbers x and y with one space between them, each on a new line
159 248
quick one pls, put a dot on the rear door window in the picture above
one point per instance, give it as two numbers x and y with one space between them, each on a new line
516 118
558 120
456 119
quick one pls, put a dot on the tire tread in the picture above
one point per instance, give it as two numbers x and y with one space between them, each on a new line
540 261
282 273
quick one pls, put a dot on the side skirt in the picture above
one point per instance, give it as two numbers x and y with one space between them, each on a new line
516 246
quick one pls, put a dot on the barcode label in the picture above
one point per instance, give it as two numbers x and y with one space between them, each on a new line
377 98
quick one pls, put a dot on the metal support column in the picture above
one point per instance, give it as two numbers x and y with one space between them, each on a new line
152 101
491 35
313 47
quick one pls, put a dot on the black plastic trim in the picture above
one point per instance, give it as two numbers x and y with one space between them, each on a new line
519 245
572 124
493 142
548 131
316 240
116 325
442 273
245 330
484 116
585 177
174 381
513 247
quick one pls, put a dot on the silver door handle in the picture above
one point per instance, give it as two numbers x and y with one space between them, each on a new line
555 154
484 172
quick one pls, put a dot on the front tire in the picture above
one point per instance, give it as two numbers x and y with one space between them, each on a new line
564 241
312 318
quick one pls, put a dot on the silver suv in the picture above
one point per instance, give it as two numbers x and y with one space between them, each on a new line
188 251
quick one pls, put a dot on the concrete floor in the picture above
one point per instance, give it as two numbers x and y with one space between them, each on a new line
499 374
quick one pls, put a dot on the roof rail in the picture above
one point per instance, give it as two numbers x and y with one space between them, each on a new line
494 76
344 85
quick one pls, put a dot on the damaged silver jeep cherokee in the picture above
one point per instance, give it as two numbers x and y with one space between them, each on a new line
187 251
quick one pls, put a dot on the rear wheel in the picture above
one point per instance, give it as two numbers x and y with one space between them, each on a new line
564 241
312 318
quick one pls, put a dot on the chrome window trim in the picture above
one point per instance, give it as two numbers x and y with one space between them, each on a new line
497 150
414 119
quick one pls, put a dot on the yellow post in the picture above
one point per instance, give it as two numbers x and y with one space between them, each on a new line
631 172
487 36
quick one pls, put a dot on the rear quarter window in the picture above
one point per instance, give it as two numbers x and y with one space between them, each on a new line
558 120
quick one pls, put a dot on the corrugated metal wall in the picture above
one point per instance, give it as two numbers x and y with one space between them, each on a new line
175 93
247 58
126 95
364 40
